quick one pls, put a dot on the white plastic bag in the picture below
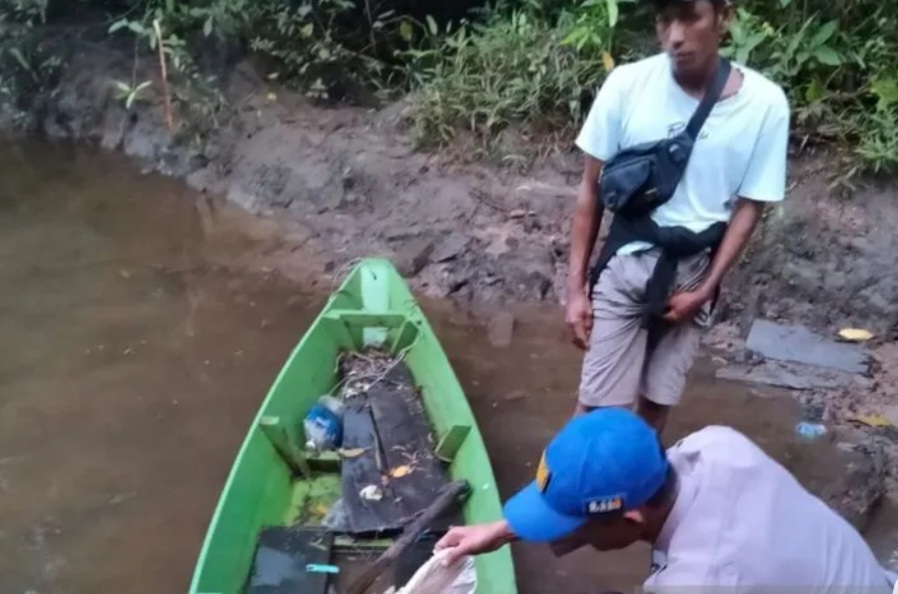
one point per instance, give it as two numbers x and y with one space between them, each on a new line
434 578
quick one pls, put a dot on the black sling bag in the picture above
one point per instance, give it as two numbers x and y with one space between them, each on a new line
643 177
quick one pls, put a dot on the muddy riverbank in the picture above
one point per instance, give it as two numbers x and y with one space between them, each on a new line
351 183
146 324
330 185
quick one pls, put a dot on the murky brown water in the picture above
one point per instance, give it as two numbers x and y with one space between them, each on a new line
131 363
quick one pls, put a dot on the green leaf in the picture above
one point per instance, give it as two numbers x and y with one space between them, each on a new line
207 27
574 35
307 30
613 13
119 24
797 38
406 31
785 3
827 55
824 33
432 25
886 90
814 92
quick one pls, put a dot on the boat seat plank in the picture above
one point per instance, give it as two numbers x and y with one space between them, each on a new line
364 516
276 432
387 319
416 475
281 558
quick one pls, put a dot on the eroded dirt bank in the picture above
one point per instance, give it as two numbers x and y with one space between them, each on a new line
348 182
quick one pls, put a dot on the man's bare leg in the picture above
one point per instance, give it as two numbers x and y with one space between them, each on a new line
653 413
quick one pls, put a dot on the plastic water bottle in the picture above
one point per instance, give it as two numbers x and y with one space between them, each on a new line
323 424
810 430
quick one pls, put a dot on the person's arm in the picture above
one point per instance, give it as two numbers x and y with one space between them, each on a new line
599 139
475 540
764 182
585 225
746 214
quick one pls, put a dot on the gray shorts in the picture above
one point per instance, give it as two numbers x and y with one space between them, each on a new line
624 360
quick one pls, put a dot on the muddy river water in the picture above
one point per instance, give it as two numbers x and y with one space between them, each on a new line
132 359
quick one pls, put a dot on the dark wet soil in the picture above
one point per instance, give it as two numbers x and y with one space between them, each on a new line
132 359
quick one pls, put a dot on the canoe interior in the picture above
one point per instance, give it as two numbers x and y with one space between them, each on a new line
372 306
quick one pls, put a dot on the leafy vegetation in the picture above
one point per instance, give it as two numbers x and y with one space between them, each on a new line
531 66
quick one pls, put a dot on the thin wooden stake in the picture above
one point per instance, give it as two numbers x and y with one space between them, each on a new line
169 119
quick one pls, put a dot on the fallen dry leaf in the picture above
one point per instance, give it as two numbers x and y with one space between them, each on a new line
319 510
401 471
855 334
607 61
352 452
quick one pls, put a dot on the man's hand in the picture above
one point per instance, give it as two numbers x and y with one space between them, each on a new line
683 306
578 316
474 540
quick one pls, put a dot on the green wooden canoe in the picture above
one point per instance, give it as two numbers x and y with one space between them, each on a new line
372 305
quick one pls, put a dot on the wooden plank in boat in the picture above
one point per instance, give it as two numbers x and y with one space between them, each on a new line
365 516
415 474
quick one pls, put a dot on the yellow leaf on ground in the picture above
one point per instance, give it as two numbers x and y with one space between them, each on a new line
271 97
872 420
400 471
353 453
855 334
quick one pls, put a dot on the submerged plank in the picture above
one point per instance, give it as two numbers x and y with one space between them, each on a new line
282 558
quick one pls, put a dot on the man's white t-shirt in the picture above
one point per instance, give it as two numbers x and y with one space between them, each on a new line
742 524
741 149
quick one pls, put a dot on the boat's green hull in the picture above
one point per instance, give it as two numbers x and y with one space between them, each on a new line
373 303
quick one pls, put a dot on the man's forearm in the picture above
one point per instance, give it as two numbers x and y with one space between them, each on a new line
742 225
584 229
505 535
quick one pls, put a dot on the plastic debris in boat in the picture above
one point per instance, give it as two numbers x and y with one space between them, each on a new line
322 568
372 493
323 424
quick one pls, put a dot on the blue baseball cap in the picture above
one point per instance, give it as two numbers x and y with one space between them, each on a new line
605 461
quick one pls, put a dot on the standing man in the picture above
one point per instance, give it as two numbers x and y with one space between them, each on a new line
720 514
638 351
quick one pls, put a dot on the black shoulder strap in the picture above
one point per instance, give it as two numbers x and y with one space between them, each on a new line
711 96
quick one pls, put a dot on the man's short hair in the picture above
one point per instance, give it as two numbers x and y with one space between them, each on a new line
717 4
